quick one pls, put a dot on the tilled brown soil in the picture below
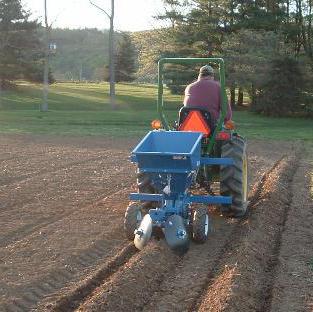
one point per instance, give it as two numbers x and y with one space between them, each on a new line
61 204
62 247
293 274
246 275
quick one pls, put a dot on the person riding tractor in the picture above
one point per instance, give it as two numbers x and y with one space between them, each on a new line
205 93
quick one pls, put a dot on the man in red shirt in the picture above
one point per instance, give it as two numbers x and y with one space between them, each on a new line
206 93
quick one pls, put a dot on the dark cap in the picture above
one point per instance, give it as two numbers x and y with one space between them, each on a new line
206 70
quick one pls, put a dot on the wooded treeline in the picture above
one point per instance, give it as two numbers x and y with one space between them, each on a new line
254 37
80 54
75 54
267 46
83 55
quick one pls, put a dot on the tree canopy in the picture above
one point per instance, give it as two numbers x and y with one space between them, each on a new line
249 35
20 47
281 92
126 55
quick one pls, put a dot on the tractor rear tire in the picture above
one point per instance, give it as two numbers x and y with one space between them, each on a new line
200 224
233 179
133 216
144 185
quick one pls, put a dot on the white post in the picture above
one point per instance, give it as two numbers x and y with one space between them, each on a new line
44 106
111 52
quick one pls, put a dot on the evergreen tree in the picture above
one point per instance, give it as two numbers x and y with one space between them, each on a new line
20 55
260 15
196 32
203 29
126 57
282 93
247 54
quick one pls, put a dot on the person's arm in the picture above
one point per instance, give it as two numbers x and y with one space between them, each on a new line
229 113
186 97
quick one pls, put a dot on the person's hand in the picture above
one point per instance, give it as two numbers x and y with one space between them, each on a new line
229 124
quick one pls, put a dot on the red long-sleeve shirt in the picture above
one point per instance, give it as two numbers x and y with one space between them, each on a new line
206 93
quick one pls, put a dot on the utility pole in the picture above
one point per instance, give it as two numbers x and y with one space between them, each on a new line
44 105
81 72
111 51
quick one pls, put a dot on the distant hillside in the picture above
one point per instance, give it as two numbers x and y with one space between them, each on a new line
150 45
83 53
80 53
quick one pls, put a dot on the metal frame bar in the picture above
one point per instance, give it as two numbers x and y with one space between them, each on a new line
160 170
216 161
207 199
204 199
146 197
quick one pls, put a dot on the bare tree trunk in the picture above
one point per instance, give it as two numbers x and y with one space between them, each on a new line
81 72
44 106
232 13
310 39
112 57
240 97
233 95
253 94
111 51
0 91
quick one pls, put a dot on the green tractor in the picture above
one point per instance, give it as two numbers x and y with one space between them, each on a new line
175 163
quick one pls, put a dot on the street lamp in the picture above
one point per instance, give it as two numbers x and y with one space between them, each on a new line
111 51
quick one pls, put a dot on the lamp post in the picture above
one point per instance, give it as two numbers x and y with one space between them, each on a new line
111 51
44 105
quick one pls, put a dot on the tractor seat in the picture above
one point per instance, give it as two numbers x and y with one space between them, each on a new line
195 119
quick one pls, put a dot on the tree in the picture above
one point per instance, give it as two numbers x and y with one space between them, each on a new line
205 26
20 48
197 30
281 94
259 15
247 54
248 34
126 59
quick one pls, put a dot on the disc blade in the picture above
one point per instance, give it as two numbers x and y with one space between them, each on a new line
143 233
175 233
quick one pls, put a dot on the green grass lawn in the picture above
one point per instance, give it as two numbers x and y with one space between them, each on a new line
83 109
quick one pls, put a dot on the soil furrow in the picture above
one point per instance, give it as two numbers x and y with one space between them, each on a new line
139 278
292 285
24 178
27 230
71 269
271 266
84 289
243 280
36 186
258 187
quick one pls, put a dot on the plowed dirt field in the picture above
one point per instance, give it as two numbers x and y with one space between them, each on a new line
62 246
